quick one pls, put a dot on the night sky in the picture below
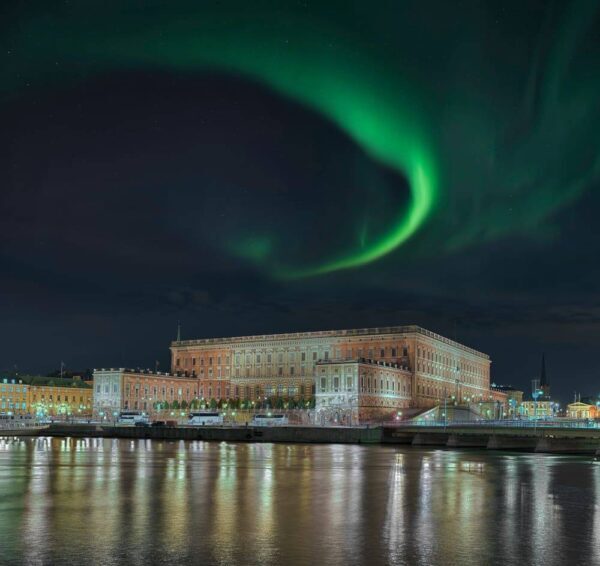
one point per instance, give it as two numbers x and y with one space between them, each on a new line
257 167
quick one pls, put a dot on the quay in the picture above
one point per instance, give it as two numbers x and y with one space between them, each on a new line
524 437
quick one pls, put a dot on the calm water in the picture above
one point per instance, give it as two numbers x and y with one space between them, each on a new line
94 501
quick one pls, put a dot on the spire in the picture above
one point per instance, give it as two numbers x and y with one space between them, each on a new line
543 380
178 331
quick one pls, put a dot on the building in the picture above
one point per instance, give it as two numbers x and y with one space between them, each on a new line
356 390
539 409
285 365
13 397
121 389
514 399
579 410
53 396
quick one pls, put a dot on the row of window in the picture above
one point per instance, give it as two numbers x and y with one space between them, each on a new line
453 363
368 384
13 388
58 398
11 405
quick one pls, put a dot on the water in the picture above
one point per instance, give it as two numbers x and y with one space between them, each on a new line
100 502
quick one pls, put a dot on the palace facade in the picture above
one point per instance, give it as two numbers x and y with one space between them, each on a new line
431 366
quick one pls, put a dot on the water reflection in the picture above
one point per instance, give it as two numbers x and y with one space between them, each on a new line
146 502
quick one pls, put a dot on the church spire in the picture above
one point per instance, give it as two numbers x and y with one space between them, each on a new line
178 331
544 385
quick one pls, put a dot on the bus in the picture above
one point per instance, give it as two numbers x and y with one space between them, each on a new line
205 418
133 417
269 420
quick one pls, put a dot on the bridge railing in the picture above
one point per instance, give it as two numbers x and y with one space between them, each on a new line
504 423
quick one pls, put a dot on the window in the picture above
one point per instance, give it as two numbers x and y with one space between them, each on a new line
177 362
326 355
193 361
279 370
269 358
393 352
336 383
292 370
323 384
382 353
258 358
303 356
314 356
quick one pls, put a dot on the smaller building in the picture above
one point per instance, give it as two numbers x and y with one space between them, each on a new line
539 409
360 390
13 397
53 396
514 399
117 389
579 410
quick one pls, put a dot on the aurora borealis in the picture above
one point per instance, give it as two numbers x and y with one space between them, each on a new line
302 154
349 87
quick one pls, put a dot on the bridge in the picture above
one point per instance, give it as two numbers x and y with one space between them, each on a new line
534 436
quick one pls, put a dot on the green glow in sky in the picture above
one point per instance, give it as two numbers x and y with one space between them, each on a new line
306 60
494 136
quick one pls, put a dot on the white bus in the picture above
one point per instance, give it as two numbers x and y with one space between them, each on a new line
133 417
269 420
205 418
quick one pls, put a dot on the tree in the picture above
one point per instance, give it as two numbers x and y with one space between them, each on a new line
312 403
213 403
175 404
184 404
278 403
291 404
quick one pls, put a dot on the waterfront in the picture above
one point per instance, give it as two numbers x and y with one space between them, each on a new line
110 501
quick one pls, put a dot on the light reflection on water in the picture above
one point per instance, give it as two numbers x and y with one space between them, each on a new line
100 501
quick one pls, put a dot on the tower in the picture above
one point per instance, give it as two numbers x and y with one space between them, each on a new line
544 385
178 332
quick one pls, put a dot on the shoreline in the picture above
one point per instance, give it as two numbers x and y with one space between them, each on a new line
541 440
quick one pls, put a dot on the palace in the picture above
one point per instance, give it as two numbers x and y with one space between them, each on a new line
390 367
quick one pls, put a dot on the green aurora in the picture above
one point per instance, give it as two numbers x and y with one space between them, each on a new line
367 88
